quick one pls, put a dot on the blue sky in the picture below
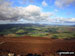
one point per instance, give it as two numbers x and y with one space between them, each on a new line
67 12
48 11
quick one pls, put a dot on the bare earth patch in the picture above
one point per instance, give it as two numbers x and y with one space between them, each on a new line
39 45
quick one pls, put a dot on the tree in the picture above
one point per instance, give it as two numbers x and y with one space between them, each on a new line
55 37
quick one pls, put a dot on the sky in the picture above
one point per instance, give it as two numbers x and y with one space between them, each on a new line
37 11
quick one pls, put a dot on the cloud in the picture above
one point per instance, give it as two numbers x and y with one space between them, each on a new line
64 3
64 20
7 12
71 20
44 3
29 13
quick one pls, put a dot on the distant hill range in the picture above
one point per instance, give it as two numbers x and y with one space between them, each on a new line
8 26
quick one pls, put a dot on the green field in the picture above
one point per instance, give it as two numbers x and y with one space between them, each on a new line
55 32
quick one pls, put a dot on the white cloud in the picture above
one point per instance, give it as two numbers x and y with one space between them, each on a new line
72 19
33 9
63 3
44 3
29 13
64 20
